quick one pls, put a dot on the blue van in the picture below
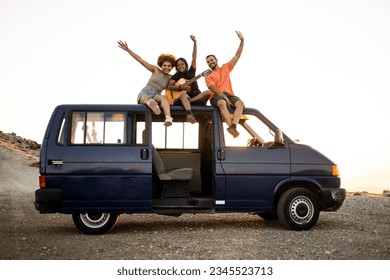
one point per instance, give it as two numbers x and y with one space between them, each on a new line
100 161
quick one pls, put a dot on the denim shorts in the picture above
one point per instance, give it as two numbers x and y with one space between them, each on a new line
152 92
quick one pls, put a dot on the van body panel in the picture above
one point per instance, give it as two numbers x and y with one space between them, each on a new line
110 176
301 154
251 175
49 148
120 193
310 165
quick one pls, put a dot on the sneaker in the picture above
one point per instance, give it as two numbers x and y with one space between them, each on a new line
168 121
152 104
233 131
191 118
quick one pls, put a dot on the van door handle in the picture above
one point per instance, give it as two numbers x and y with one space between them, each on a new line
55 162
144 153
221 154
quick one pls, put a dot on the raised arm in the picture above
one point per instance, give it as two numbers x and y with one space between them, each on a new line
239 50
194 51
150 67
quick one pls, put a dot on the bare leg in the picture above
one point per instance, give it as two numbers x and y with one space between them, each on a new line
185 101
166 108
239 107
151 103
201 96
224 111
187 106
144 98
165 105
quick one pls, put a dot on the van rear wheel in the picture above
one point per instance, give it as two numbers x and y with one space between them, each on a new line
298 209
95 223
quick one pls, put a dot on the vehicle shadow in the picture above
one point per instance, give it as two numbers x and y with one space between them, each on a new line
208 222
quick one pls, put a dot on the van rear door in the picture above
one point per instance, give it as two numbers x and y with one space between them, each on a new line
101 164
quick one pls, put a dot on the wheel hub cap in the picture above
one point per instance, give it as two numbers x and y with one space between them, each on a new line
301 210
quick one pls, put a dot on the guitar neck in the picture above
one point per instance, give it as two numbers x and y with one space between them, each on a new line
192 80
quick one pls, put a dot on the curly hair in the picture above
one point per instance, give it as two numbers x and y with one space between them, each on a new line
166 57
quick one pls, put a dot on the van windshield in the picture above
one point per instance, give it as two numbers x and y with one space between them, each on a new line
249 127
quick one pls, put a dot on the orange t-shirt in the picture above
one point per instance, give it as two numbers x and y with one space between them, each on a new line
221 79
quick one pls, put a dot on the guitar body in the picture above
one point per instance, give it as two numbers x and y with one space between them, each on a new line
172 95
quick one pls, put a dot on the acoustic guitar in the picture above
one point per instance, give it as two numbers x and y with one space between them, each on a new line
173 94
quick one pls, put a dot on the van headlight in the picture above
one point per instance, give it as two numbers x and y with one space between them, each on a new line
335 170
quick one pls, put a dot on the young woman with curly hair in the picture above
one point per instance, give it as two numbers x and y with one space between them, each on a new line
151 93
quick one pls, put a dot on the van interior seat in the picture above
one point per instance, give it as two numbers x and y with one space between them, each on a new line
180 174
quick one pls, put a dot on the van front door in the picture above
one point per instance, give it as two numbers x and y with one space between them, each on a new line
252 164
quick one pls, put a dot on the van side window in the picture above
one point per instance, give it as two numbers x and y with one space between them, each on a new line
98 128
60 138
181 135
250 127
141 133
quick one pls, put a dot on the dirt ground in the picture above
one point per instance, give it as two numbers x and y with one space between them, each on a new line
358 231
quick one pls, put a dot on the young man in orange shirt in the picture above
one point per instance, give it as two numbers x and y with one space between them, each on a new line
222 95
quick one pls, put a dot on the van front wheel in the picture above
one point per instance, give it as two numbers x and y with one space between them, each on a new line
95 223
298 209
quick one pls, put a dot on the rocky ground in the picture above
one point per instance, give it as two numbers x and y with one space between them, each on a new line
360 230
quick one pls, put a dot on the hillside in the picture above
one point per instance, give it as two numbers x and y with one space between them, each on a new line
20 145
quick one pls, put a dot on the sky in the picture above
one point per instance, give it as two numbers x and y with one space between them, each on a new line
319 70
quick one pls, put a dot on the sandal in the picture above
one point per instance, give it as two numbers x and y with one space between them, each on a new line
191 118
152 104
168 121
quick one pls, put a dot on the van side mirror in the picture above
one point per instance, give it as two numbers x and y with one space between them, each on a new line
278 137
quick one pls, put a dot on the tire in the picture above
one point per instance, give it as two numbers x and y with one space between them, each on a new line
298 209
269 216
95 223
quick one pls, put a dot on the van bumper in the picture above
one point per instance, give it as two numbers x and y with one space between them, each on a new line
48 200
333 198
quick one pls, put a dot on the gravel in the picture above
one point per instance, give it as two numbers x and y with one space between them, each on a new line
358 231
